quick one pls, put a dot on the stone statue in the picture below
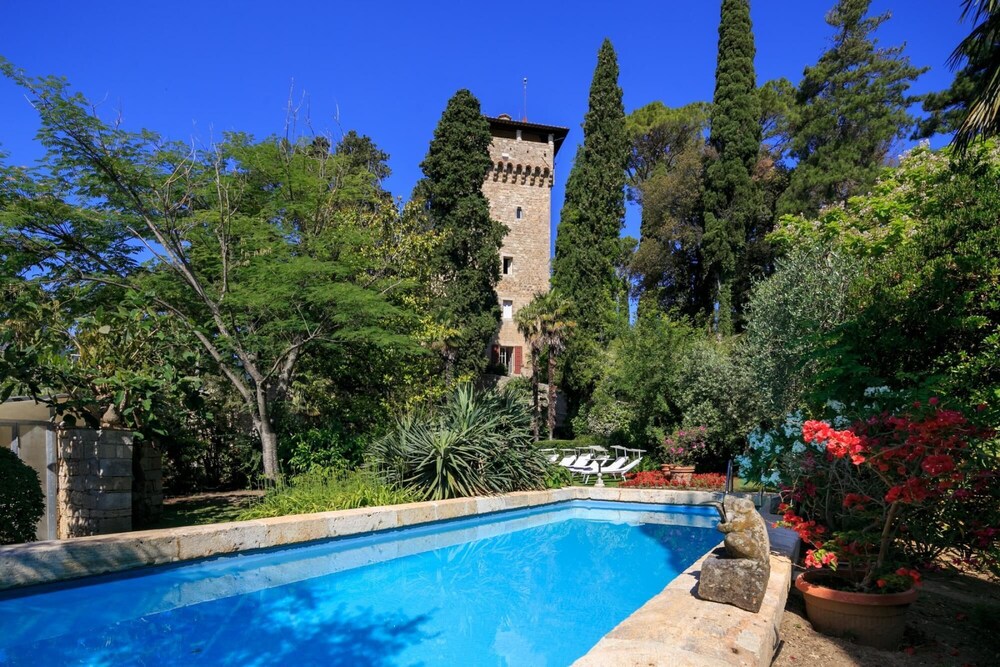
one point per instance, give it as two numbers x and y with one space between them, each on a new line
740 576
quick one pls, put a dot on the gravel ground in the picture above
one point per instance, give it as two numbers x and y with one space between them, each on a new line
955 621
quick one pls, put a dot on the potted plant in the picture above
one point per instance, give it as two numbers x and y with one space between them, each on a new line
680 450
865 497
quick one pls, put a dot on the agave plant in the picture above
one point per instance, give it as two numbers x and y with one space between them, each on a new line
476 443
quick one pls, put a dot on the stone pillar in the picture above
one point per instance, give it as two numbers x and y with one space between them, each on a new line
95 482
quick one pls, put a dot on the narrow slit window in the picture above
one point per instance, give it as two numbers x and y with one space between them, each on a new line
508 265
519 213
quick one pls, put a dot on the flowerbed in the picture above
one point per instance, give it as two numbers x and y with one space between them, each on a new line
654 479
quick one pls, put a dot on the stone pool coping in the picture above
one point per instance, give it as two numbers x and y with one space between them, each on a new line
674 628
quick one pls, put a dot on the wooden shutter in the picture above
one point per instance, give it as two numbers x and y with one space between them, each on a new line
517 360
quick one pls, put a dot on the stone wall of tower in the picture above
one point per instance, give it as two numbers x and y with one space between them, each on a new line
522 178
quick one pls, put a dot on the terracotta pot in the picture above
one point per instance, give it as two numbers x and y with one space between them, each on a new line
677 473
872 619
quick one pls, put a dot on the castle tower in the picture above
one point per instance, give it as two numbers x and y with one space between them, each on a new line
519 189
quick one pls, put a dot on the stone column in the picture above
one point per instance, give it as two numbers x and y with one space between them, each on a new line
95 482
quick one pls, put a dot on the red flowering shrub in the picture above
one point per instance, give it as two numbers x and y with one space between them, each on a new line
893 490
654 479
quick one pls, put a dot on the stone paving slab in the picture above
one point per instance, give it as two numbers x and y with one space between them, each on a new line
678 629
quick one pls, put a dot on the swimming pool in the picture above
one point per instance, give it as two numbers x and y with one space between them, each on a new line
536 586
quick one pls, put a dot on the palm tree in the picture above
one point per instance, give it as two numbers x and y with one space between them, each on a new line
556 328
530 320
979 49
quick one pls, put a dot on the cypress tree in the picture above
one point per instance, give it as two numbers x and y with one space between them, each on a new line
587 244
731 200
467 262
852 108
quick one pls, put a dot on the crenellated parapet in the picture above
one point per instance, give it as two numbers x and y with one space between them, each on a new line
522 174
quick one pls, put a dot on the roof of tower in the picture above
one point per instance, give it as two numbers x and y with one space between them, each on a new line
505 121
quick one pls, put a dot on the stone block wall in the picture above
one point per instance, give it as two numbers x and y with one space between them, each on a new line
147 484
522 177
95 482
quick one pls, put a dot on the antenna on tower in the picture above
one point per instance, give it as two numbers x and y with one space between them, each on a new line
525 84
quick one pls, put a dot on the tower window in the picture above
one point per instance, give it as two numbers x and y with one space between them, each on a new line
508 309
508 265
519 213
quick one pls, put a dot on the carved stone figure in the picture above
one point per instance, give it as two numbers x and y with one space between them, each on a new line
740 576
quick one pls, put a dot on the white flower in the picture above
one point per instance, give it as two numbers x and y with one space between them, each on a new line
840 421
836 406
876 391
798 447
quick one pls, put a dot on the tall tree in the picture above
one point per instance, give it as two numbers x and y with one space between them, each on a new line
467 261
530 319
666 176
852 108
970 107
247 247
732 201
587 246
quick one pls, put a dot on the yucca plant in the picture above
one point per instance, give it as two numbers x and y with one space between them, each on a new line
476 443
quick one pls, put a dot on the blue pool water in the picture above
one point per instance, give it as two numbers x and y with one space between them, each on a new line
534 587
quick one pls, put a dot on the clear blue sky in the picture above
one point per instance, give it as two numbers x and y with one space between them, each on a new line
194 69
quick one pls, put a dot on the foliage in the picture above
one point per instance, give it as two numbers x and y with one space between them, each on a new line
654 479
546 326
326 491
732 200
251 248
476 443
666 176
860 492
926 314
467 262
684 446
558 477
977 86
592 216
809 294
634 401
713 390
853 105
21 500
325 448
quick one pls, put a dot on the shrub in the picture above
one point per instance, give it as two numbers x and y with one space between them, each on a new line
325 491
328 448
476 443
21 501
654 479
864 496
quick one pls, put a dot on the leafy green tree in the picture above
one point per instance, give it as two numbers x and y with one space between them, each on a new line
587 245
467 261
641 379
852 108
924 316
970 107
666 177
731 200
247 246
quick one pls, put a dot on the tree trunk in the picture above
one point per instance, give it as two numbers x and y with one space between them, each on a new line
268 437
552 393
536 415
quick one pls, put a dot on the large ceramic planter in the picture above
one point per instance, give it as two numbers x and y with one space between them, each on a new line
871 619
677 473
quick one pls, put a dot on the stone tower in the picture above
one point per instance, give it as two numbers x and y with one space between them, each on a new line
519 189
